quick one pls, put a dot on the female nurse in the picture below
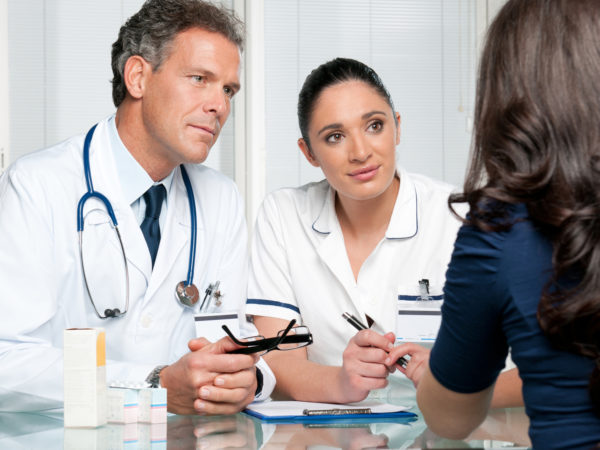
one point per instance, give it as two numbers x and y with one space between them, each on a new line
526 264
359 241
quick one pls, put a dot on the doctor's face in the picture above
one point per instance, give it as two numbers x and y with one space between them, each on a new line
186 101
353 137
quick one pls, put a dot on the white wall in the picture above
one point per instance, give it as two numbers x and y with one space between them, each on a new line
4 109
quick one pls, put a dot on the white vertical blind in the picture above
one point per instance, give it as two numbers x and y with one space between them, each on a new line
3 85
424 50
59 72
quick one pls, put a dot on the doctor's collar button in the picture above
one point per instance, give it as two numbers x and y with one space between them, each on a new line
146 321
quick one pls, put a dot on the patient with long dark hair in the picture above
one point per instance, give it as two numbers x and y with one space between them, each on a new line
525 272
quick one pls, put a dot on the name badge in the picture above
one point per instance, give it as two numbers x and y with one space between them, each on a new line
208 325
419 314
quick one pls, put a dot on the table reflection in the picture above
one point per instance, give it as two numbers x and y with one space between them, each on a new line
505 428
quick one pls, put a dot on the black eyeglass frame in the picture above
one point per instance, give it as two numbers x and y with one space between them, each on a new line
265 345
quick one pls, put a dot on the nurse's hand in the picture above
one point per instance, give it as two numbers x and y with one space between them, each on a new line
209 380
417 363
363 368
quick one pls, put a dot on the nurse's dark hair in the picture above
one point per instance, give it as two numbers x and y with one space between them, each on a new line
537 142
150 32
333 72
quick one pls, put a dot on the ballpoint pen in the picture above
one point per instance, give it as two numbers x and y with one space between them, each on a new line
360 326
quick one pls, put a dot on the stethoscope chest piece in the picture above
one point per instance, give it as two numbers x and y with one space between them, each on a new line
187 294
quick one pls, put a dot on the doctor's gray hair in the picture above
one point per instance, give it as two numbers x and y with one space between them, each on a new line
150 32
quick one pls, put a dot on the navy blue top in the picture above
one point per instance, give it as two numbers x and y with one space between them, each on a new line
493 286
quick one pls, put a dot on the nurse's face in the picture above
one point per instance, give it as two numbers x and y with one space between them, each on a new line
353 139
186 101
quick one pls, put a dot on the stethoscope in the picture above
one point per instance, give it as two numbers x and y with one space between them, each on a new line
185 291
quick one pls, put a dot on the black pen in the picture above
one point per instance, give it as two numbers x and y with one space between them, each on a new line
360 326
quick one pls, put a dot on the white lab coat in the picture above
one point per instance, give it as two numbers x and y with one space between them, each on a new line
42 289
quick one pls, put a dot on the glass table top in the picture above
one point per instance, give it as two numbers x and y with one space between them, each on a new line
503 428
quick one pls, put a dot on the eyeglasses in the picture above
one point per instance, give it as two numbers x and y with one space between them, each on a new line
289 339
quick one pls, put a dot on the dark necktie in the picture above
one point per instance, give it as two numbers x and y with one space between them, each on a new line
150 227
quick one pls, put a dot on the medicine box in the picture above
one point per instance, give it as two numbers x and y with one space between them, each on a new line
152 405
134 402
84 377
123 406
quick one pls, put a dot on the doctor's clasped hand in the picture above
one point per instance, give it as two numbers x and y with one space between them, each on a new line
219 383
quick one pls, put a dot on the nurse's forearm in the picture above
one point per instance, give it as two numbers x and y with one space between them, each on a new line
297 377
304 380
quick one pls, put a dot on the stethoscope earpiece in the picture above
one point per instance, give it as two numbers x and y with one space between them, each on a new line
112 312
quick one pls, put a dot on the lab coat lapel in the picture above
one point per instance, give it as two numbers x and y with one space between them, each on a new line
106 181
174 238
332 249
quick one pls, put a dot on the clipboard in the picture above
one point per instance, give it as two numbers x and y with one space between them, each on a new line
293 412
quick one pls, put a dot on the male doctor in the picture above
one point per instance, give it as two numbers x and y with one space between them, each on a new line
176 68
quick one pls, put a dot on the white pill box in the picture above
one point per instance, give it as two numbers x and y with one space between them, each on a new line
123 405
84 377
128 402
152 405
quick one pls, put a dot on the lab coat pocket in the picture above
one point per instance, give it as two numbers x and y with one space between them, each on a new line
419 314
95 216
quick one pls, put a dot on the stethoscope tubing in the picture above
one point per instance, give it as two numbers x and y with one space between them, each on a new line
90 186
192 202
91 193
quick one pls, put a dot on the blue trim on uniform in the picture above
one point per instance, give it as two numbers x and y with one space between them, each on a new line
256 301
416 219
320 232
418 297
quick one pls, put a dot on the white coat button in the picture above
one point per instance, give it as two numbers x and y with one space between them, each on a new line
146 321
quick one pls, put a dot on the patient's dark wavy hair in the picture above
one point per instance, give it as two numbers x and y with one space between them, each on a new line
537 141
